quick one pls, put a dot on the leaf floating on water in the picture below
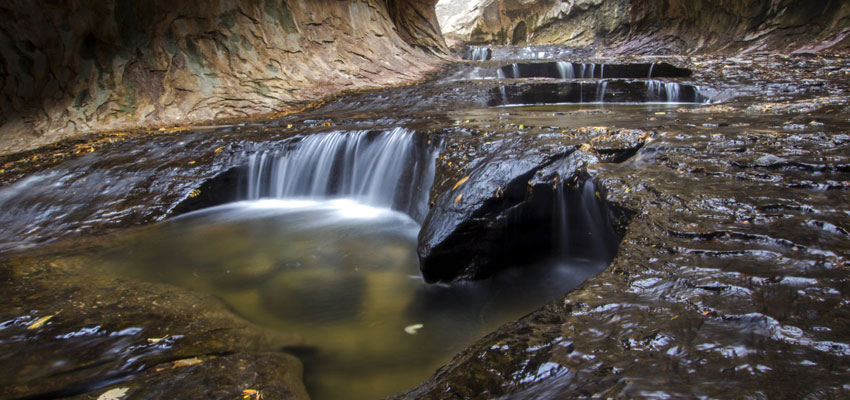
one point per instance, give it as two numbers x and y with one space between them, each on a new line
186 362
252 394
413 329
460 182
113 394
40 322
457 199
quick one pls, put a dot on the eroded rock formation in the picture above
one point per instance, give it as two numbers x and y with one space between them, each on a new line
71 68
652 26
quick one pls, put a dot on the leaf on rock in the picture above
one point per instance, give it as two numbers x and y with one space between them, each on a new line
458 198
186 362
460 182
40 322
113 394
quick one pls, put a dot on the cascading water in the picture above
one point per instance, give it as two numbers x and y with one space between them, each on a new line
477 53
672 92
381 169
566 70
600 91
580 224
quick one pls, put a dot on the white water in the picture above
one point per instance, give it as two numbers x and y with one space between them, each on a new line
381 169
566 70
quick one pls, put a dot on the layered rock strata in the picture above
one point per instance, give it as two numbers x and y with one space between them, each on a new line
71 68
652 26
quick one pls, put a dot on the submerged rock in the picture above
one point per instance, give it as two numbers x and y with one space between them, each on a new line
110 332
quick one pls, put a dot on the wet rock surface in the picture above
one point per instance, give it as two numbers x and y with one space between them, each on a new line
731 273
733 270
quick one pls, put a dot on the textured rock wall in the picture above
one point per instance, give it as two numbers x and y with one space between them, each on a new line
68 68
652 26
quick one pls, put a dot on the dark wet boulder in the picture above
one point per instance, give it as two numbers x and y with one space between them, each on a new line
504 207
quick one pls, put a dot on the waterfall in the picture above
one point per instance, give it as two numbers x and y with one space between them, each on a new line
650 70
581 225
601 71
565 69
384 169
477 53
600 91
667 92
515 69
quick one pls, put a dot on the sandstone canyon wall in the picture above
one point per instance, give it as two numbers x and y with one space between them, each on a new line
69 68
652 26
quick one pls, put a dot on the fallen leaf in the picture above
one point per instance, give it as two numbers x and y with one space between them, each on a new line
326 123
218 150
186 362
159 339
674 317
113 394
457 199
413 329
39 322
460 182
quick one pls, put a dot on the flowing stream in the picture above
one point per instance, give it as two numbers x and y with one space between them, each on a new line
324 246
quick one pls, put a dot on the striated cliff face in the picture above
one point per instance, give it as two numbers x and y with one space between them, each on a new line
69 68
652 26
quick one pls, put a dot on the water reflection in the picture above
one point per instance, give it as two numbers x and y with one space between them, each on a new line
345 276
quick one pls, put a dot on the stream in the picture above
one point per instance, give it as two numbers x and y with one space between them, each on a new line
380 235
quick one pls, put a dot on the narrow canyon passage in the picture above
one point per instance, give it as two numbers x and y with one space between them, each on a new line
579 214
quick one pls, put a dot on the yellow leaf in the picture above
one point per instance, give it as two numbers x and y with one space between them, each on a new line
457 199
192 162
186 362
194 193
460 182
674 317
521 126
159 339
218 150
326 123
113 394
39 322
288 126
